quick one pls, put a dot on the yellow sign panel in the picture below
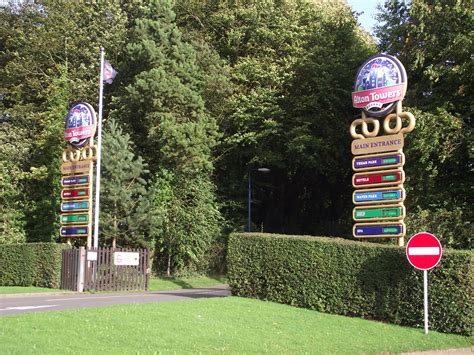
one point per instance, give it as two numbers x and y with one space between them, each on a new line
379 144
80 167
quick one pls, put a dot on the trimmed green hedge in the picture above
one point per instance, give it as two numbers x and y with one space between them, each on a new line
351 278
35 264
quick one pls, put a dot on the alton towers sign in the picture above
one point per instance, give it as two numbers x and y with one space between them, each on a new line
76 182
379 88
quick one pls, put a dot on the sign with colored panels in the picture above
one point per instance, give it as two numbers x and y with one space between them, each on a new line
75 206
378 178
379 230
377 161
380 144
76 231
72 181
380 195
379 213
75 218
75 193
379 84
81 124
80 167
424 251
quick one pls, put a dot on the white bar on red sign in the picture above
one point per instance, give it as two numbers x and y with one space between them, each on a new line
423 251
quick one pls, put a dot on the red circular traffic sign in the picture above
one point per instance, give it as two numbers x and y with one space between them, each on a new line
424 251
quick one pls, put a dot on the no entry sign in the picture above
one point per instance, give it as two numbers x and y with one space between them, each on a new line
424 251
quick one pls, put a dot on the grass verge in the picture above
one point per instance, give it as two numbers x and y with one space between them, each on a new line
225 325
156 284
171 283
18 289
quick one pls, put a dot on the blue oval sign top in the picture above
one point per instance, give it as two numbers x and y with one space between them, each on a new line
80 124
379 84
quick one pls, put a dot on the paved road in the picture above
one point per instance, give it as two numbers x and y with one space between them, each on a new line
15 304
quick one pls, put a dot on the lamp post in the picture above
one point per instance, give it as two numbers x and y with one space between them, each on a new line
262 170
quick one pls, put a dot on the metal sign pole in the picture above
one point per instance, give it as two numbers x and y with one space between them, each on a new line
425 292
99 153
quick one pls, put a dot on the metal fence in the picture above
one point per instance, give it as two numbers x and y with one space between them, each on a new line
105 269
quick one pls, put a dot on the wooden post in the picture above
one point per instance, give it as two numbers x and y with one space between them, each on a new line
81 268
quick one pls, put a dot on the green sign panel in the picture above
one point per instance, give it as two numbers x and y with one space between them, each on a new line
74 218
391 212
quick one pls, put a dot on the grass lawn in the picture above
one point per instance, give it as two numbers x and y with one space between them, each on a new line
226 325
19 289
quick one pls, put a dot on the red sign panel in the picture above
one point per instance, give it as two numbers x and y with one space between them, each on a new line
424 251
75 193
392 177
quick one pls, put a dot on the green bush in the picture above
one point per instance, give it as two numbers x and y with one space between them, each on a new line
351 278
34 264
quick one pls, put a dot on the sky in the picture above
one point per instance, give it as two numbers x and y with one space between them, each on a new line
368 7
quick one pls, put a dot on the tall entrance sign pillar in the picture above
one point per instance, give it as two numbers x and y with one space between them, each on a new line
379 88
77 185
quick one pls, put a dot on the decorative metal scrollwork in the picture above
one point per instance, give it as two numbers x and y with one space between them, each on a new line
364 122
86 153
388 126
399 126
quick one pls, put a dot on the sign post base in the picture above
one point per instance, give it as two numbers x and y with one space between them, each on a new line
425 301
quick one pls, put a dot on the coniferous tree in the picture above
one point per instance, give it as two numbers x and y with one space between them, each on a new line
123 191
163 106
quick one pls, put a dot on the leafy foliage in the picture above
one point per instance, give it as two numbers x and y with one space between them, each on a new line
210 90
32 264
48 56
12 220
351 278
290 65
189 222
438 58
437 54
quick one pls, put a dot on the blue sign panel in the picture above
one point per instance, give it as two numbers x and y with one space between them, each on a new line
75 206
75 180
377 196
74 231
378 230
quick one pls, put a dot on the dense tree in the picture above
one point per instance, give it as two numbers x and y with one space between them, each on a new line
433 39
48 59
188 221
162 104
43 188
12 220
291 65
438 178
233 85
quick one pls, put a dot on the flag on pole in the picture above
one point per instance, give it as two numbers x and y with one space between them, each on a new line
109 72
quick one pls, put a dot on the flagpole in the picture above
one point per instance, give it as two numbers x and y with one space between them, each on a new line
99 151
